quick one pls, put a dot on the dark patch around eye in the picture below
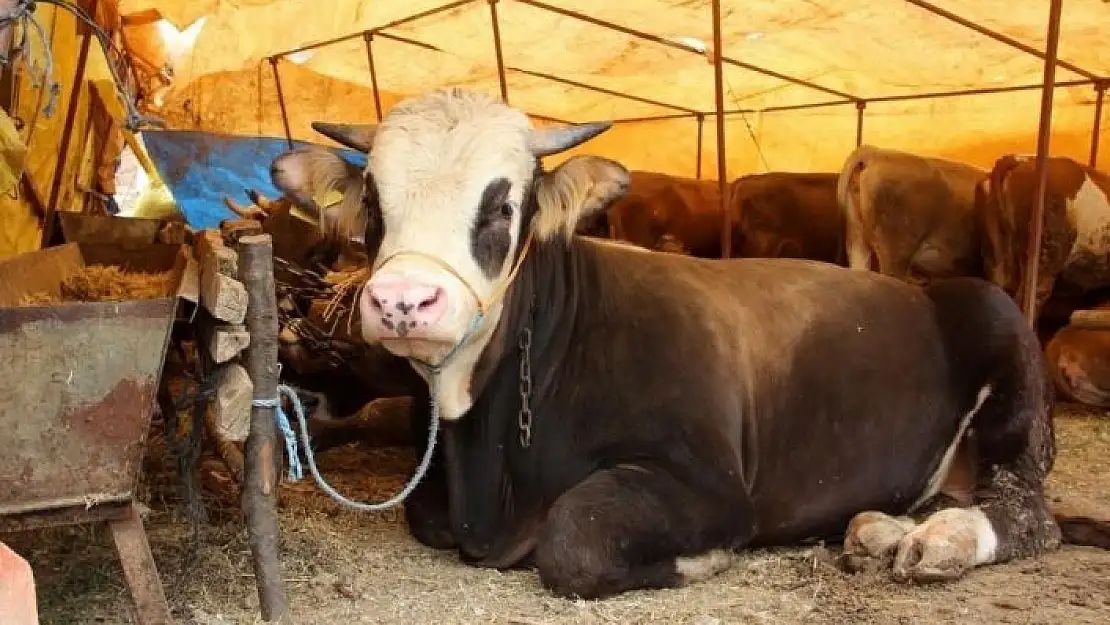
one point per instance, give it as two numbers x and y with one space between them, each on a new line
490 236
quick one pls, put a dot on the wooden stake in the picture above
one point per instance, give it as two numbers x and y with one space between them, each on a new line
262 452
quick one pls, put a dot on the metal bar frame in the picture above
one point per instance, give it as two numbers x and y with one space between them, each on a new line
369 39
49 218
281 101
1044 136
497 50
722 166
997 36
860 106
1096 129
603 90
631 32
395 23
701 128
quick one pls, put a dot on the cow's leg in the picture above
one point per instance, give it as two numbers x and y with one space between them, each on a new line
631 527
859 252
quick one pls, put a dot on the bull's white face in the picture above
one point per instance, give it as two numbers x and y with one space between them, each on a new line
450 192
452 176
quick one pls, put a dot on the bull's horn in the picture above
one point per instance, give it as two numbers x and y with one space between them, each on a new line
548 141
356 136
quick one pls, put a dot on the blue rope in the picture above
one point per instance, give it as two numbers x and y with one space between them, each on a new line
295 471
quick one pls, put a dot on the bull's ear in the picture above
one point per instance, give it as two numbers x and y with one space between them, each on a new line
320 177
580 187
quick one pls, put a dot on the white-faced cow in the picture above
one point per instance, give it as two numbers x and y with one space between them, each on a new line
1075 241
623 419
908 216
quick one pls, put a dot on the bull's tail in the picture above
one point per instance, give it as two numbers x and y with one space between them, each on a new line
1083 531
853 164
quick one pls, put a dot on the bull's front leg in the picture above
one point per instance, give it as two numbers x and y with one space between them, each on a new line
637 526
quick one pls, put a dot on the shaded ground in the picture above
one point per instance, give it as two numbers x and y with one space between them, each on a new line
343 567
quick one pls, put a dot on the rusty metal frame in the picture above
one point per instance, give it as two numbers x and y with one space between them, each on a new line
281 101
497 50
997 36
722 165
49 219
369 39
860 106
701 130
1096 129
1044 135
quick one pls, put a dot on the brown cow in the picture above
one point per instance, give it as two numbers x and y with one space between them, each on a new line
788 215
1079 362
1075 244
775 215
664 213
908 216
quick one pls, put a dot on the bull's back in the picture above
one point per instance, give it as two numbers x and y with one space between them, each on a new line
829 389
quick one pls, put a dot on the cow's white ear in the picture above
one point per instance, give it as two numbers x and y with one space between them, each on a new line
321 178
580 187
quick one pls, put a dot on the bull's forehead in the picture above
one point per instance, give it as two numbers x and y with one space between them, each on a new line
440 153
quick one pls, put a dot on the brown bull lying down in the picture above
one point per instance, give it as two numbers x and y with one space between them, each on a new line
677 409
774 215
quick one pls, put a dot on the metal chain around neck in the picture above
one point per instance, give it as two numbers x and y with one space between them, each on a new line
524 417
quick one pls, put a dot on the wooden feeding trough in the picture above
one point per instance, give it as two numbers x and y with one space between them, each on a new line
79 393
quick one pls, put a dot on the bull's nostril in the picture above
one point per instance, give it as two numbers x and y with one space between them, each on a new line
428 303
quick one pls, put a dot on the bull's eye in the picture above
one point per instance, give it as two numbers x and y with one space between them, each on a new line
506 210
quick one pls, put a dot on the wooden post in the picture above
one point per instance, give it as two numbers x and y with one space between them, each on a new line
497 51
256 271
67 132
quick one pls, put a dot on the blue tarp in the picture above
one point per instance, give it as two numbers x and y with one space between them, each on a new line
200 168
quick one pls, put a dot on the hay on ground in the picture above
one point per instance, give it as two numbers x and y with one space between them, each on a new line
106 283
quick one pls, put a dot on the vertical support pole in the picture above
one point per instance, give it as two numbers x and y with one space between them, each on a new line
281 101
260 489
701 130
7 73
497 50
67 132
369 38
1044 137
860 106
1096 130
719 97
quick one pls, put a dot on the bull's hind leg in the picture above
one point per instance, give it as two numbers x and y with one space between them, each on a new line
633 527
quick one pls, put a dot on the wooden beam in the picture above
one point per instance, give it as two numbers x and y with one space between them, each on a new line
719 97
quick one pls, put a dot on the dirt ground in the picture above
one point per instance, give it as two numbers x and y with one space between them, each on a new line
344 567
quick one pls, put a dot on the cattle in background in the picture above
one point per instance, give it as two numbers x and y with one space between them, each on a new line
1075 243
788 215
908 216
1079 363
664 213
578 437
774 215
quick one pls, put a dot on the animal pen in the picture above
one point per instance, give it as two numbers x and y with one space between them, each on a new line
779 84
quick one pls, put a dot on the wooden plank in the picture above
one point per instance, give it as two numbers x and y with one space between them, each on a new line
1097 319
232 407
220 292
